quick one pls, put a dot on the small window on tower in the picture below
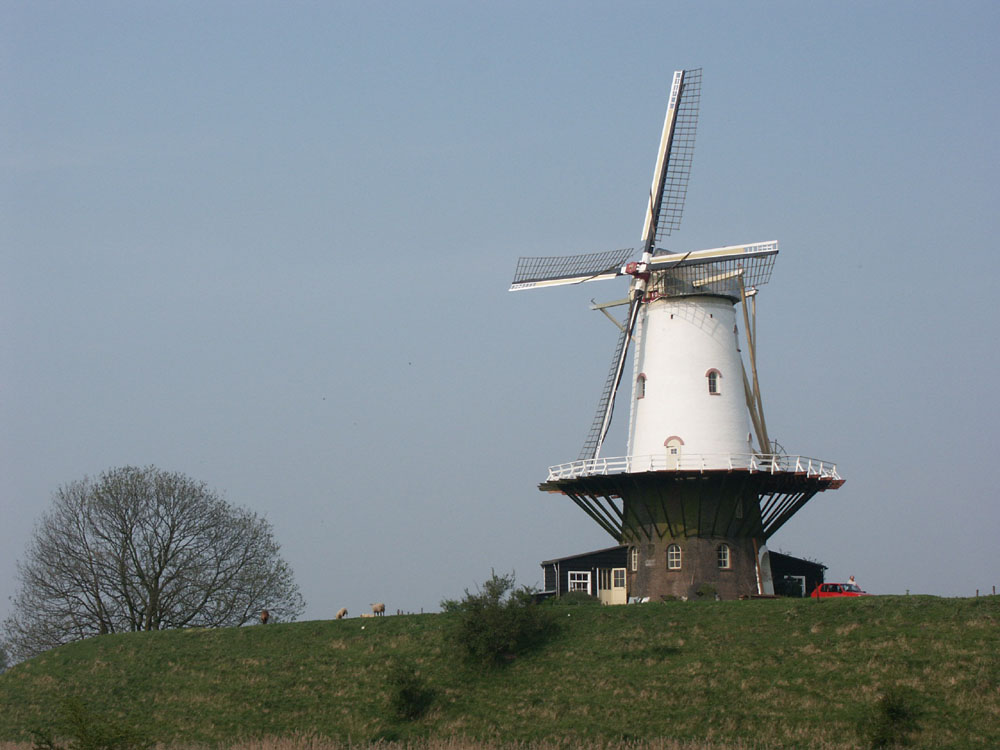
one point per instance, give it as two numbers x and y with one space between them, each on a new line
674 557
640 386
723 553
713 381
634 558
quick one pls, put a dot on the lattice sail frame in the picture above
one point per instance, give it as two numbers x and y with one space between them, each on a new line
685 98
727 277
556 270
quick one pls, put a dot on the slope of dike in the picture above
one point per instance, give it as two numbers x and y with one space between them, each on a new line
779 673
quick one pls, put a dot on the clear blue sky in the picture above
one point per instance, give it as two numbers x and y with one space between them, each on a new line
268 245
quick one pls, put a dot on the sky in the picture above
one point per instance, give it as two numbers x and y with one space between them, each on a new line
268 245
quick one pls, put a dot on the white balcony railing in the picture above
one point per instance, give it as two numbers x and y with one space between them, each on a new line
752 462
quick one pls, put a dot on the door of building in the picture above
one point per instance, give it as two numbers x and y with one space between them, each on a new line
611 587
673 446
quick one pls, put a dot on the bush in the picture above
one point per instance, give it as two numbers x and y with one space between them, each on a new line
574 598
409 696
498 622
706 590
88 730
890 722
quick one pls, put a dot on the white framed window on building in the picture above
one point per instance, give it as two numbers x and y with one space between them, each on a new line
619 578
674 557
633 558
578 580
713 376
723 556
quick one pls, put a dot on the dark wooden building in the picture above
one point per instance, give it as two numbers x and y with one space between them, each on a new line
600 573
604 574
794 576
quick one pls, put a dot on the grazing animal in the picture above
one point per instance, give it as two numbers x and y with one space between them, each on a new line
342 613
378 609
264 617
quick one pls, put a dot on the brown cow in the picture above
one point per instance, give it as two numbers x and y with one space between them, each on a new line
264 617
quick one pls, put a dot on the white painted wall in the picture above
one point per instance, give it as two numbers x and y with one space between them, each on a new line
678 340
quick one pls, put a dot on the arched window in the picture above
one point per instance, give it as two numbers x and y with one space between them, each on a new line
723 556
640 386
674 557
714 376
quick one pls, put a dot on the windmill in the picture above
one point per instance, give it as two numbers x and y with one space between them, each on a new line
702 486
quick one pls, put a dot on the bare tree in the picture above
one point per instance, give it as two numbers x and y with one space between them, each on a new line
144 549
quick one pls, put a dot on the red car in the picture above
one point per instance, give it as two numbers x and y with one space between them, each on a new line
825 590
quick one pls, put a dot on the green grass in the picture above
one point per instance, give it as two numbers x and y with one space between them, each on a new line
765 673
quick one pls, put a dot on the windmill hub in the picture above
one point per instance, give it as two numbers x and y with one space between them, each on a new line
701 487
637 270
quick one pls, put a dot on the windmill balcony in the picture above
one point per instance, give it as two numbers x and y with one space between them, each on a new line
705 462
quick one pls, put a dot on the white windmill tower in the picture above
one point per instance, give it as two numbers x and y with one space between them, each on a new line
695 497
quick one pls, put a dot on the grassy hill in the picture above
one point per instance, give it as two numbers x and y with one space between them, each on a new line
770 673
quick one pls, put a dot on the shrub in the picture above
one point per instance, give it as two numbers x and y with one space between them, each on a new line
574 598
890 722
705 590
498 622
409 696
89 730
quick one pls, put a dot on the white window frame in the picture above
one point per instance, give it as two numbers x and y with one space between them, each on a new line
714 376
618 578
574 579
603 579
724 557
675 557
633 555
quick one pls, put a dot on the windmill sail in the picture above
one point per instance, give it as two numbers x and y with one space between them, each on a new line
673 163
606 406
532 273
